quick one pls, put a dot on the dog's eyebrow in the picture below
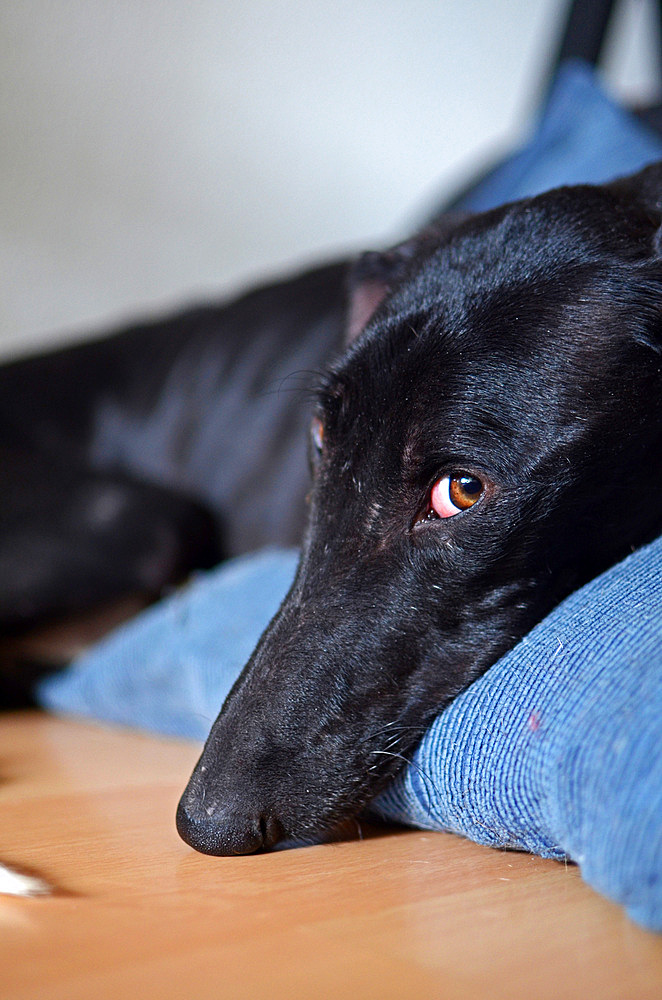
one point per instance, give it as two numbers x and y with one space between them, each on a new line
330 391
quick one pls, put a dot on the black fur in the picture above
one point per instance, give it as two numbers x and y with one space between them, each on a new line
129 461
522 348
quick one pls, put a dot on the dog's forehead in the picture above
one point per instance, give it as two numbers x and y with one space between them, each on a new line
529 242
466 313
499 330
501 279
563 226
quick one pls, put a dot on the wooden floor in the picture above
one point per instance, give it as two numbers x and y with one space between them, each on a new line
399 914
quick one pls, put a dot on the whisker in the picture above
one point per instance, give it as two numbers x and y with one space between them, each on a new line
390 725
308 388
429 783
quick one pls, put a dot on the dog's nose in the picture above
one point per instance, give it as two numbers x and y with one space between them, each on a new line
224 832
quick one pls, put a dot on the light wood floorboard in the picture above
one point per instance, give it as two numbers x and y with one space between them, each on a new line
399 914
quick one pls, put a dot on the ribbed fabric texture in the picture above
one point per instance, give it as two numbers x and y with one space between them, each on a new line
558 748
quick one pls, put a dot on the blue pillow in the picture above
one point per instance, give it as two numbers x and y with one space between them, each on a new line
583 137
557 748
170 668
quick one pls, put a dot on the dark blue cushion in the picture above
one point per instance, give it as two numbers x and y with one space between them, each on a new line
583 137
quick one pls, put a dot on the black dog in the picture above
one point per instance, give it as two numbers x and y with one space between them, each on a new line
491 440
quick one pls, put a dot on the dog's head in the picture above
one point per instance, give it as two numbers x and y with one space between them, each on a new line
489 440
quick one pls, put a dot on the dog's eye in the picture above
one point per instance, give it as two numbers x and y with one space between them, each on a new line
454 493
317 435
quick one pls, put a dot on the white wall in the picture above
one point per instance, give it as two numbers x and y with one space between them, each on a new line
157 150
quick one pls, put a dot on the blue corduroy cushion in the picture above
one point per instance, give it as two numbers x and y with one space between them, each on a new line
172 666
557 748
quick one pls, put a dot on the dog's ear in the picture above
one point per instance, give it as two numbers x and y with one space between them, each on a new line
657 242
643 191
648 184
377 273
371 279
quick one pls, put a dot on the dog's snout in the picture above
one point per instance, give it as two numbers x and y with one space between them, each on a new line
225 832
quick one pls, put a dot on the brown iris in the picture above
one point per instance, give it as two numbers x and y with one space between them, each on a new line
464 491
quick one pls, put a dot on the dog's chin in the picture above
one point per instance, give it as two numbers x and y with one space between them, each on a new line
359 824
344 830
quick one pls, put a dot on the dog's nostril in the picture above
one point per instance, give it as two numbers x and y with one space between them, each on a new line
225 835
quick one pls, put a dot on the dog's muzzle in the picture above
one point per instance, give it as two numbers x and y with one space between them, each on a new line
228 831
